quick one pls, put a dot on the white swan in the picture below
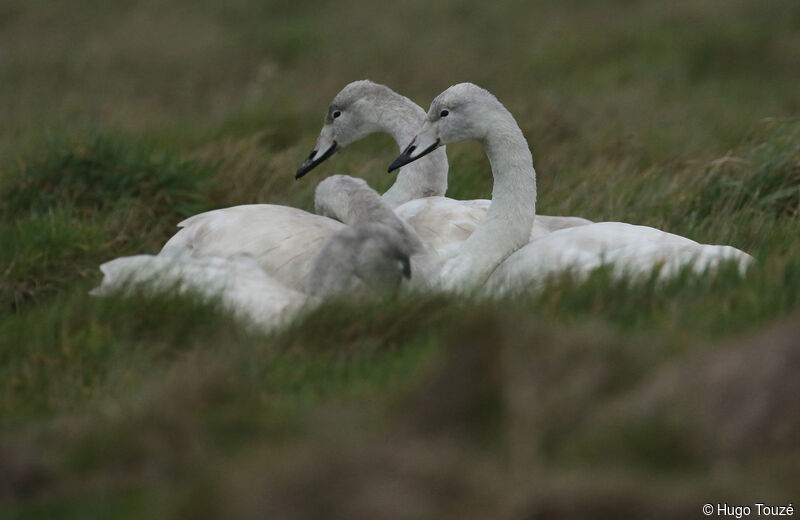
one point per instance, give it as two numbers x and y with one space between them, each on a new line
359 256
498 254
362 108
462 112
371 254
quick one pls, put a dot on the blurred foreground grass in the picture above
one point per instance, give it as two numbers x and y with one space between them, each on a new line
606 399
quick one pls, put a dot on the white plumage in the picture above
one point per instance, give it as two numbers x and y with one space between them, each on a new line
372 253
498 254
281 239
239 284
443 223
630 250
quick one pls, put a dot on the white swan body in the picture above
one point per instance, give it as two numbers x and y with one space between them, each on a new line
631 251
283 240
239 284
370 254
496 254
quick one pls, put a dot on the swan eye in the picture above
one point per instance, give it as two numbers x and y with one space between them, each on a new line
443 113
337 114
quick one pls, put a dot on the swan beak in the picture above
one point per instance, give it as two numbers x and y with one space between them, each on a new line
412 152
315 157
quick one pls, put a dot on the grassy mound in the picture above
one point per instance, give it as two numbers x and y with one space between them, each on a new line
77 202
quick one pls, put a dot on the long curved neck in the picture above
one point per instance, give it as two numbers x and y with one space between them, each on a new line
509 220
402 118
364 207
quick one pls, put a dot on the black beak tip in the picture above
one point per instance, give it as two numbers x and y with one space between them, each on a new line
302 170
402 159
397 163
314 160
406 158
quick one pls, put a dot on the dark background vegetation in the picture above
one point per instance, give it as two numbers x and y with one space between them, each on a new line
608 399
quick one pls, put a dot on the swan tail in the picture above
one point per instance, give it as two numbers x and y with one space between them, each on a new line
119 273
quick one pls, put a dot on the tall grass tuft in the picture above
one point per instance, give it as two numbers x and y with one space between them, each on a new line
77 202
764 180
101 174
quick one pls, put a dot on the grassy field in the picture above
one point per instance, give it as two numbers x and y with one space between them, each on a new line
607 399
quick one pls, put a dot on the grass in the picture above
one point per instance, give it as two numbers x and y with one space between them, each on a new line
605 399
67 208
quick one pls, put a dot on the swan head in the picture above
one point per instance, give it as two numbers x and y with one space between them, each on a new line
381 258
352 115
460 113
363 258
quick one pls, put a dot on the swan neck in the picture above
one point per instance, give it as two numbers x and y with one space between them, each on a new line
402 118
514 189
510 216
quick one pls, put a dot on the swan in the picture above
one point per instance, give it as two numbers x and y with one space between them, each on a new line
371 254
373 229
362 108
466 111
499 255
